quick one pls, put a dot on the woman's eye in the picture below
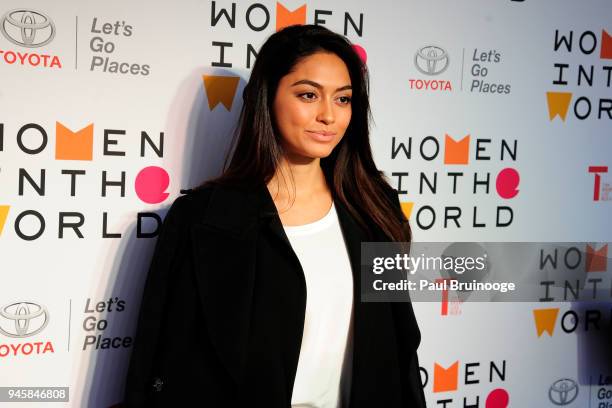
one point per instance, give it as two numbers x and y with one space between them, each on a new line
308 94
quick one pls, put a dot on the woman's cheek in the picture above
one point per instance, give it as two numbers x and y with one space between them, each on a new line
304 113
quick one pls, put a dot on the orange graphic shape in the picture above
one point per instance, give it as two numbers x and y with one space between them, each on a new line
4 209
456 152
286 18
220 89
606 45
558 104
545 320
71 145
407 208
597 260
446 379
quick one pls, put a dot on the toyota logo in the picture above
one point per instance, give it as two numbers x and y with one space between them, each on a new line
431 60
24 319
563 391
27 28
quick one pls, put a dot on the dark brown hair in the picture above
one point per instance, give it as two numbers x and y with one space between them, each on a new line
349 170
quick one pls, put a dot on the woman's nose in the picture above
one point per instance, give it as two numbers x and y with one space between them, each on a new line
326 111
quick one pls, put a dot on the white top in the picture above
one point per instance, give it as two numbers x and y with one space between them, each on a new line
323 374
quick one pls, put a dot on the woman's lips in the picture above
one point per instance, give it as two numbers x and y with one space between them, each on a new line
321 136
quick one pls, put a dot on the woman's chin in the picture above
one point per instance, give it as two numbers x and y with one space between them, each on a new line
316 152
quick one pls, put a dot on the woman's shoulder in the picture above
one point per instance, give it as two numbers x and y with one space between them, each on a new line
193 203
199 193
189 206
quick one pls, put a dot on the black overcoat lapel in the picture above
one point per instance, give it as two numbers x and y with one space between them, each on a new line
224 248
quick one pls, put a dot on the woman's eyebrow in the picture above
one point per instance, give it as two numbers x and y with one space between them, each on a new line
317 85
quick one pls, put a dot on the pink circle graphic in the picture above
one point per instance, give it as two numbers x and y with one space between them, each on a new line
498 398
151 184
507 183
361 52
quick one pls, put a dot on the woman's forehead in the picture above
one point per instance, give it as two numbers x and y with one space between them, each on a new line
325 69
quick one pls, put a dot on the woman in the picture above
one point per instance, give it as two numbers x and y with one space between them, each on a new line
252 298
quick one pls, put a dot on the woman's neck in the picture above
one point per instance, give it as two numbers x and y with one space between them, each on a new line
298 179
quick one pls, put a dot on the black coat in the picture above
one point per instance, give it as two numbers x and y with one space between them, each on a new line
222 313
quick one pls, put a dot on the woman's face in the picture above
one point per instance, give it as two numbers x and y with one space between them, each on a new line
312 106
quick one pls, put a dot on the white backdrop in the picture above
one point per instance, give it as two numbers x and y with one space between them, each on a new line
64 111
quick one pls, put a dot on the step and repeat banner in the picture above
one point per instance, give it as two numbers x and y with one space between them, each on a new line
493 119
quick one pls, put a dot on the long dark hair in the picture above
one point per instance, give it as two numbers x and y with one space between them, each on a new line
349 170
